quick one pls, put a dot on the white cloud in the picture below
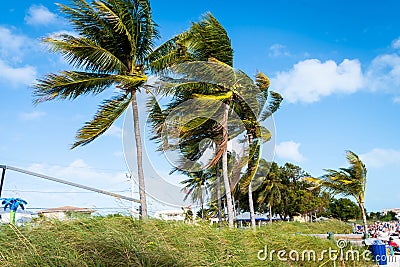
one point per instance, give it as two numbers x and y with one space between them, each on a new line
384 73
289 150
396 99
311 79
79 171
40 15
378 158
12 46
17 75
12 49
277 50
396 43
114 131
57 34
29 116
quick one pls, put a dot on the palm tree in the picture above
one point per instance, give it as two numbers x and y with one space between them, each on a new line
188 213
204 41
113 48
270 188
256 133
195 187
349 181
13 204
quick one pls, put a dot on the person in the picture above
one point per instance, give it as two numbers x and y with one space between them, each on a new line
394 245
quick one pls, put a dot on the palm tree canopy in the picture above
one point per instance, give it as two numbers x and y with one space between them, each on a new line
115 39
194 185
205 45
270 183
13 203
349 181
205 39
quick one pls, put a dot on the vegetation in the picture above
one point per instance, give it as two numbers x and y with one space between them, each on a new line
349 181
282 191
122 241
343 209
114 48
378 216
214 84
205 41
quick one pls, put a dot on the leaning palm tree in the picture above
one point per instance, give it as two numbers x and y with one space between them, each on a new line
349 181
113 46
207 42
13 204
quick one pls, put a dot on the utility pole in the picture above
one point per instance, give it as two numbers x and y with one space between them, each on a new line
130 178
3 175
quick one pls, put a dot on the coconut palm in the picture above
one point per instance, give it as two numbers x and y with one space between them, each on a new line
349 181
256 133
270 188
252 114
205 41
13 204
195 186
113 48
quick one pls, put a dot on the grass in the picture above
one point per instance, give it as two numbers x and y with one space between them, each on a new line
122 241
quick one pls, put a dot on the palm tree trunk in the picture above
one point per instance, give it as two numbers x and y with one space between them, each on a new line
364 218
142 192
12 217
225 167
250 192
270 214
218 179
251 207
202 202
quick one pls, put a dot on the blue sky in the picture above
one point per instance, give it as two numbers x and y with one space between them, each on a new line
337 64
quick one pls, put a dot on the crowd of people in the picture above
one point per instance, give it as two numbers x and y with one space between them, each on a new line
384 230
388 232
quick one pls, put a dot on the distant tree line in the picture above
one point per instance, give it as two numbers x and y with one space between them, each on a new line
283 192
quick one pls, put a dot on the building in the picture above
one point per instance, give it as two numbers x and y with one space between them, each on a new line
243 219
65 212
21 216
395 210
170 215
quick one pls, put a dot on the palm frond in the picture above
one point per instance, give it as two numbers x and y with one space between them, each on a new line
70 85
115 18
273 105
157 120
147 32
88 22
108 112
209 39
82 52
171 52
262 81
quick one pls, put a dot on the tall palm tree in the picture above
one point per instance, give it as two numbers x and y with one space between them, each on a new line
349 181
268 103
13 204
205 41
113 48
270 188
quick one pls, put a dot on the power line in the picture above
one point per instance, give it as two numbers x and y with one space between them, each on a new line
69 183
58 192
